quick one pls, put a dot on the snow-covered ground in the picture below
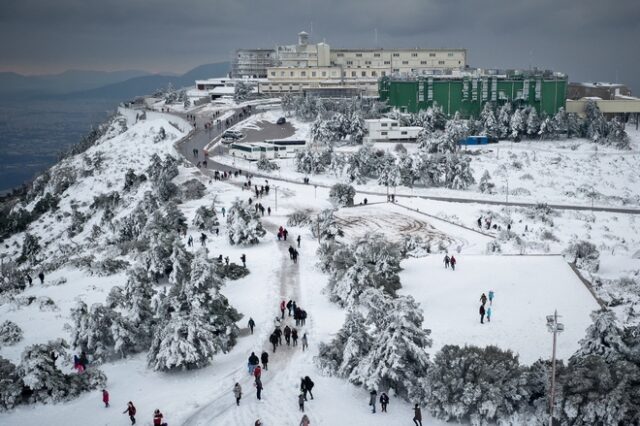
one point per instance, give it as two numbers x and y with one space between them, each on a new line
527 287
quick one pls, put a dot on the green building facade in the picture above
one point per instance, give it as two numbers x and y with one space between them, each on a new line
468 94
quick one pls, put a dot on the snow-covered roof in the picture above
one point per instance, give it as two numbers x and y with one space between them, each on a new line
222 90
598 84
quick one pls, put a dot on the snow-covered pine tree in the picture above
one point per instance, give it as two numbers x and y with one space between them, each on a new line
206 219
200 322
596 125
10 333
244 225
407 170
11 385
180 264
616 135
575 126
136 304
584 254
92 330
343 354
603 338
375 263
490 126
478 385
45 382
30 248
517 125
504 120
560 123
388 171
592 391
325 226
533 123
486 185
547 129
357 130
397 359
342 194
175 219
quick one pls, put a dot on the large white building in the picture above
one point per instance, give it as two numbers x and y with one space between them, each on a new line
389 130
316 67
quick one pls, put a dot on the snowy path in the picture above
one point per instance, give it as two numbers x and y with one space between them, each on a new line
278 380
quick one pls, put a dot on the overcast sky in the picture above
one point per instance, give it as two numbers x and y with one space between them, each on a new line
587 39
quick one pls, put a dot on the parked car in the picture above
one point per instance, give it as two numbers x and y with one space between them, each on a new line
231 136
281 121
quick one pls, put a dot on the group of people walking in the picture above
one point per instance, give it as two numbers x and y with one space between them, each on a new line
158 417
450 261
384 402
486 310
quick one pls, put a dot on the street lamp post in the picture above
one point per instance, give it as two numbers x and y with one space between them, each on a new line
554 327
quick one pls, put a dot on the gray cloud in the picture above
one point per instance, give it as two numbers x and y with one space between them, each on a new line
588 39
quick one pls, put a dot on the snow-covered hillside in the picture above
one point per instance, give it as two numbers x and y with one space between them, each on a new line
117 230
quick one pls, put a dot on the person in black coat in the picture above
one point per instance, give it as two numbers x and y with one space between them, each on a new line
481 314
265 359
274 341
384 401
306 385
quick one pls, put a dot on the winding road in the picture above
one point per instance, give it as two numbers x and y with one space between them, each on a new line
201 138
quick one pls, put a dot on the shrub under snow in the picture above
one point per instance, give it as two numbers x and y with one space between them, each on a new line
10 333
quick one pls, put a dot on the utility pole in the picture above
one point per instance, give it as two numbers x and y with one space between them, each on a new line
554 327
276 193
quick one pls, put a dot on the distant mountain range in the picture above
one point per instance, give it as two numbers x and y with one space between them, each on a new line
116 85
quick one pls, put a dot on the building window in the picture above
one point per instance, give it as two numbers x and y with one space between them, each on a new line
450 54
403 133
290 73
376 55
405 62
383 124
349 62
374 74
396 70
432 55
396 55
324 73
353 73
414 55
364 73
394 124
423 62
440 62
303 73
459 62
387 62
383 73
358 55
340 55
273 73
383 133
313 73
367 62
281 73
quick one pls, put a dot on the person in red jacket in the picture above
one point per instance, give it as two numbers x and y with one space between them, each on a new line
257 372
157 418
105 397
283 307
